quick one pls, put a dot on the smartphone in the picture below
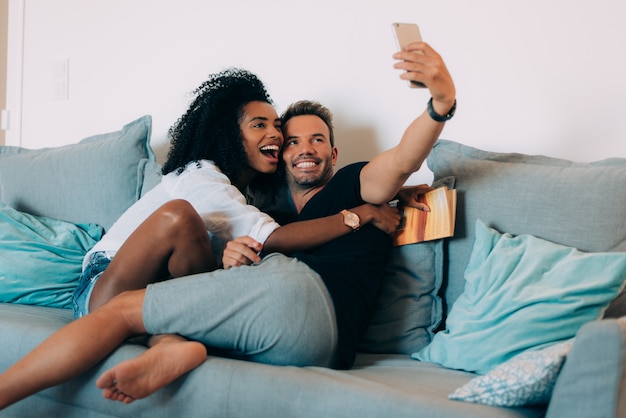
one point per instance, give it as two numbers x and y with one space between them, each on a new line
406 33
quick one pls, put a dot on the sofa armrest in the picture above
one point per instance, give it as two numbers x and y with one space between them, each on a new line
592 382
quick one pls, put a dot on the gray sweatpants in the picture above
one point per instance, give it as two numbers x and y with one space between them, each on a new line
275 312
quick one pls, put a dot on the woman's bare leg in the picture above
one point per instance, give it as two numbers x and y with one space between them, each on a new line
172 242
74 349
169 357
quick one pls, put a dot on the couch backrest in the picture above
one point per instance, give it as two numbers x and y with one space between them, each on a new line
581 205
93 181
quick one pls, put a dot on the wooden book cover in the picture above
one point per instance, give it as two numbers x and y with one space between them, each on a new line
418 226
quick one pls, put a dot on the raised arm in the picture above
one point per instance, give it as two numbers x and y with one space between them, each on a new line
383 177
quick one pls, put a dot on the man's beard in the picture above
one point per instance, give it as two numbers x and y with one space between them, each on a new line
309 182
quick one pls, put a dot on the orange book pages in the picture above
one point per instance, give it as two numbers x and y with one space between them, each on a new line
418 226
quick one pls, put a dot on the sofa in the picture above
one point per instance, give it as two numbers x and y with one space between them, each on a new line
520 314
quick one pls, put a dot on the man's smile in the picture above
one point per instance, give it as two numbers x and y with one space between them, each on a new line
307 162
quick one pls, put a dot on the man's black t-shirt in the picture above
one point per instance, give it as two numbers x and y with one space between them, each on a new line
352 266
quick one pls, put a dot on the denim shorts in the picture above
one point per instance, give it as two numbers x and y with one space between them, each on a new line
98 262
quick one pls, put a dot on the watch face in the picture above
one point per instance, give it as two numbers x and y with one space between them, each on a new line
351 219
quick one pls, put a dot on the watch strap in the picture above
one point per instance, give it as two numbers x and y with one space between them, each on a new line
436 116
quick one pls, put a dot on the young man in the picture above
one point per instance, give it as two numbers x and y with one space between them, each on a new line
309 309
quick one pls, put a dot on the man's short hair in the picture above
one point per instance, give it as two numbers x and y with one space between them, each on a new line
310 107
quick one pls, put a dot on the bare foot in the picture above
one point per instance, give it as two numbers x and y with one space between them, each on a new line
168 358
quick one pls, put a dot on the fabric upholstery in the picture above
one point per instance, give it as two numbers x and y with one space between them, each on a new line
50 182
580 205
522 293
409 308
378 386
592 381
41 258
526 379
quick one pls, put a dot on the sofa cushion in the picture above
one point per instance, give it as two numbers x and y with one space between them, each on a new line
378 386
93 181
41 258
591 382
522 293
580 205
409 307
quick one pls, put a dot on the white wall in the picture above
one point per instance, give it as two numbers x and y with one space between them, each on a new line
540 77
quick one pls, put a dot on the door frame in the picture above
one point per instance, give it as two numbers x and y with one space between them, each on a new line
12 116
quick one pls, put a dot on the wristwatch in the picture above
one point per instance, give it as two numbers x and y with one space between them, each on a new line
351 219
436 116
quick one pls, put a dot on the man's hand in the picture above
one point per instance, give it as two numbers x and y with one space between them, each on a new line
423 64
240 251
386 218
386 173
413 196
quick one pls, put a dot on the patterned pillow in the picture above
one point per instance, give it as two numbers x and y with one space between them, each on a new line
526 379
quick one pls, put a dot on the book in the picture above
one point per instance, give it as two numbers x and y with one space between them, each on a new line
417 225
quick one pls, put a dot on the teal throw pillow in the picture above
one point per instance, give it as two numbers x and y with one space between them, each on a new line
41 258
522 293
526 379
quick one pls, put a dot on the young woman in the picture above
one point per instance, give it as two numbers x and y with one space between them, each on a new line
229 134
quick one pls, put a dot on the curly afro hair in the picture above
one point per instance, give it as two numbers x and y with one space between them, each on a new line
210 127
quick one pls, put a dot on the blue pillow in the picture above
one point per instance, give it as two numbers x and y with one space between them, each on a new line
522 292
408 308
41 258
93 181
